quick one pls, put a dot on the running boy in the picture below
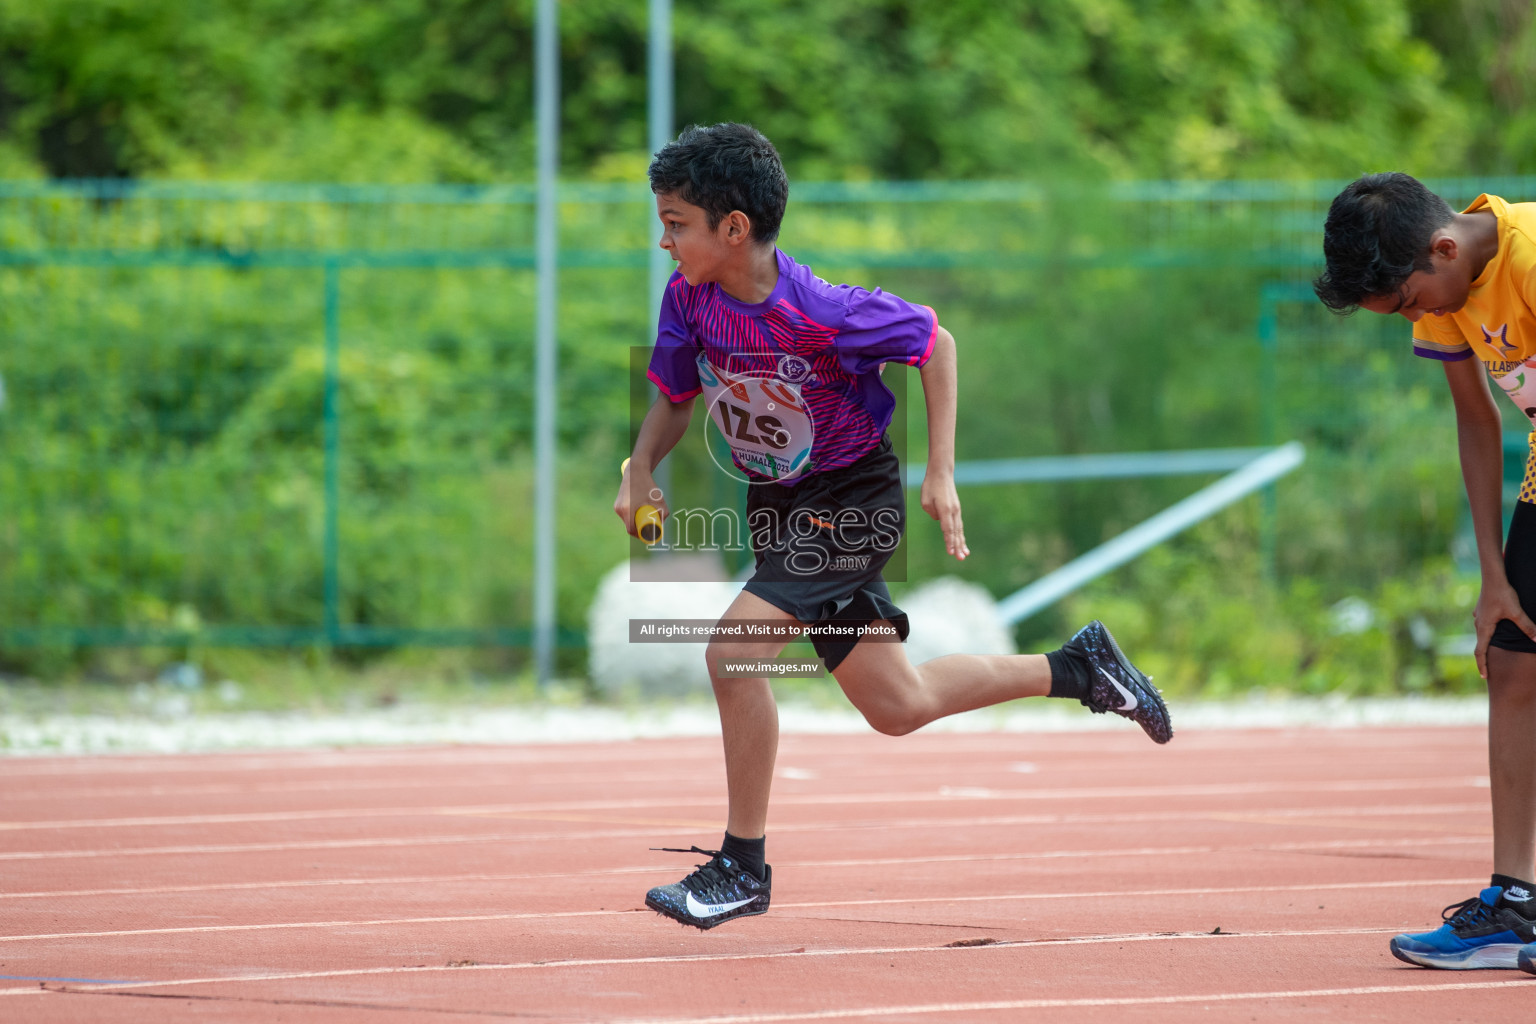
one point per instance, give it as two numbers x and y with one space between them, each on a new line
789 367
1467 283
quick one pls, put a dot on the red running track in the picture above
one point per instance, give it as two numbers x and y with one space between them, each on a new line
1250 876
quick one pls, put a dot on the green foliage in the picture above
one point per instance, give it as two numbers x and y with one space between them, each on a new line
403 90
1209 89
1203 619
161 448
1488 48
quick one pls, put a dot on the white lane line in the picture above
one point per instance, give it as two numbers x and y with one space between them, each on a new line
698 748
944 794
806 905
447 781
453 776
1063 1004
516 837
1121 818
314 883
1145 851
687 958
323 844
1218 891
779 830
204 763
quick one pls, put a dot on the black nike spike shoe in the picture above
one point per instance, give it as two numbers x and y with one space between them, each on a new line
1117 685
717 892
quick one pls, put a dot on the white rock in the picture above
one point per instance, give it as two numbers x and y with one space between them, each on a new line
948 616
951 616
655 669
1350 616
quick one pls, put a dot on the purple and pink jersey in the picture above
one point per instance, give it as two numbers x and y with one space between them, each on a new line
793 382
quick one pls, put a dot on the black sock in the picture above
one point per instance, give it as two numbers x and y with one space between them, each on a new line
749 853
1070 674
1526 906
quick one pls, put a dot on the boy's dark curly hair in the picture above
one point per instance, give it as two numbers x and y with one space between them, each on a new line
1377 234
722 168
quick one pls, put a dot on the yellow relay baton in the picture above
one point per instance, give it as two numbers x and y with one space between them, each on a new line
647 517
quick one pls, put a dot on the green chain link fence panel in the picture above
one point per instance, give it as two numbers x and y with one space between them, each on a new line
291 415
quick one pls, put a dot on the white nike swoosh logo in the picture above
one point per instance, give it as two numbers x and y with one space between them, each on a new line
1130 698
698 909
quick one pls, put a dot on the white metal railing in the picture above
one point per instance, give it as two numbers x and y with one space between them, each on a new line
1250 469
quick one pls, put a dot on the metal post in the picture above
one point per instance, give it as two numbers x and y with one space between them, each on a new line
1269 500
1269 348
332 417
546 100
659 116
659 113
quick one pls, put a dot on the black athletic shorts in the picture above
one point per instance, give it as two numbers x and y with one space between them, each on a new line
822 543
1520 567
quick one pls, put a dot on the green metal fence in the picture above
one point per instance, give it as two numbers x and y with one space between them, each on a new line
325 389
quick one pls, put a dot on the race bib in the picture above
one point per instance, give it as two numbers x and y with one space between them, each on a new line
1519 382
763 418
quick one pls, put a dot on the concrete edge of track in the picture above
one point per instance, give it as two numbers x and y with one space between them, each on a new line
409 725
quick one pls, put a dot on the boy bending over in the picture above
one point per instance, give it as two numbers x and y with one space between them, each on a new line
1467 283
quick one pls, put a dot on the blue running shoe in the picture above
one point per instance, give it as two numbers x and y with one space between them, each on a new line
1118 685
717 892
1485 931
1526 958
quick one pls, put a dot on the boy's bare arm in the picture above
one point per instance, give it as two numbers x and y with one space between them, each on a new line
665 424
939 395
1480 442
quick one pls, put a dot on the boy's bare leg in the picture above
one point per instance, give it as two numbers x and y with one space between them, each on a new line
897 697
1512 761
749 719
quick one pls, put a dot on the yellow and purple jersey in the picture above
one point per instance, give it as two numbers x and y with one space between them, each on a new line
1498 322
792 382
